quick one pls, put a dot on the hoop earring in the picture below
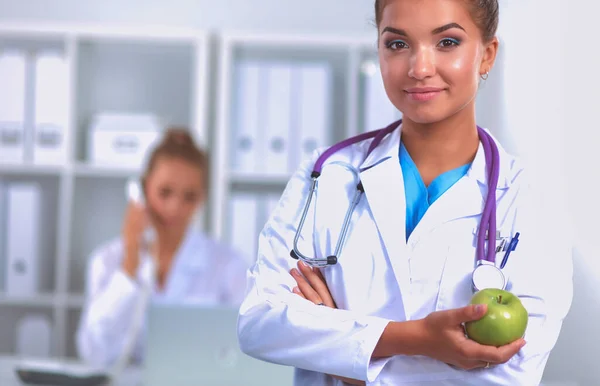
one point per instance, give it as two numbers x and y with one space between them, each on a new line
485 76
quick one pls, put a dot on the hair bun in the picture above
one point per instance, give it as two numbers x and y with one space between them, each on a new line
178 136
178 142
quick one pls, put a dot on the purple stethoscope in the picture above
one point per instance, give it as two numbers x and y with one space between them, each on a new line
485 274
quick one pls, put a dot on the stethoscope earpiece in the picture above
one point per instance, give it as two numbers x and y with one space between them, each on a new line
330 260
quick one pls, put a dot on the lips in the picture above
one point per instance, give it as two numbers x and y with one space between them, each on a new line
423 94
422 90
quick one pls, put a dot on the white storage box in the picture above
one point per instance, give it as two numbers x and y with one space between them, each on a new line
122 139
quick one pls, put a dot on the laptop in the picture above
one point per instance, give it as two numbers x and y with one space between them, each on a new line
197 345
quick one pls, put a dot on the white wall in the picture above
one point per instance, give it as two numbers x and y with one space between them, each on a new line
336 16
551 105
575 356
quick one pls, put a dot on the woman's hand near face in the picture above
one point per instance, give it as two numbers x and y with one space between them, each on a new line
135 222
313 287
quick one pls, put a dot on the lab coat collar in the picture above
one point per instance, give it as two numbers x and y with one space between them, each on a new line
189 262
382 180
192 250
388 149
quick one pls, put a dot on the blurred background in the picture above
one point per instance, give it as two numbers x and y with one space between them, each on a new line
86 88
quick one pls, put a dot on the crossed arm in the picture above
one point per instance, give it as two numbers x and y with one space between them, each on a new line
440 335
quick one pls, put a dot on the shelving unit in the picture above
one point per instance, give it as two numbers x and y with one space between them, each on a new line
343 55
176 74
155 70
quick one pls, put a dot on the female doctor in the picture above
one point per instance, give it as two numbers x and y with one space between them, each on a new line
389 307
189 267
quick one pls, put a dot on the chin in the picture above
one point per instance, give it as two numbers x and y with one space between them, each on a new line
170 226
425 118
175 226
428 114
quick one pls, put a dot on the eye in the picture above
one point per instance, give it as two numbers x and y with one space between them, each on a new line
449 42
165 192
396 45
191 197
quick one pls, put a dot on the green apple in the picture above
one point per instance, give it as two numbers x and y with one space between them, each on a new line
504 322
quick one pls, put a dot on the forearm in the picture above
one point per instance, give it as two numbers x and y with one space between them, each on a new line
99 346
295 333
400 338
130 258
107 320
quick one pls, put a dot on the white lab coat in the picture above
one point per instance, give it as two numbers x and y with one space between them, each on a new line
380 277
203 272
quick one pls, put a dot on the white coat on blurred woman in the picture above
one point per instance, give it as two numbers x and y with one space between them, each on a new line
190 268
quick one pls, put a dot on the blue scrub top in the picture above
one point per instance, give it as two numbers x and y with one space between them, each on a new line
419 197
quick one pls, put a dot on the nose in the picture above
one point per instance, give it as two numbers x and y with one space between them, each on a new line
422 64
175 208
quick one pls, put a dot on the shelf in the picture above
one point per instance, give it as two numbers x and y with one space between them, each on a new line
75 301
84 170
41 300
98 209
14 342
308 40
131 77
259 179
31 170
101 31
31 42
180 76
332 55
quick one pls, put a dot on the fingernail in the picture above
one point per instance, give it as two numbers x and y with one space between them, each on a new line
296 290
524 343
478 308
305 265
295 272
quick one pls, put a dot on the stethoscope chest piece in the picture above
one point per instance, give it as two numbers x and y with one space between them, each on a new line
487 275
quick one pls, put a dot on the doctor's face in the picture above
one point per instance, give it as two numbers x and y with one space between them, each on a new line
432 55
174 192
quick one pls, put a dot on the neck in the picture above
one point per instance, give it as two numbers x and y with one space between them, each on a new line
168 242
441 146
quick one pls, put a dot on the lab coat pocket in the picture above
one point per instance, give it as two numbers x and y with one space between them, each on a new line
418 370
456 283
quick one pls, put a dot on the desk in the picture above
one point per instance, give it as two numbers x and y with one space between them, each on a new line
133 376
8 377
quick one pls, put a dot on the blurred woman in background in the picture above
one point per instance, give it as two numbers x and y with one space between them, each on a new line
188 266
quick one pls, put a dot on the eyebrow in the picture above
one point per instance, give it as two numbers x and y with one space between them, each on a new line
433 32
